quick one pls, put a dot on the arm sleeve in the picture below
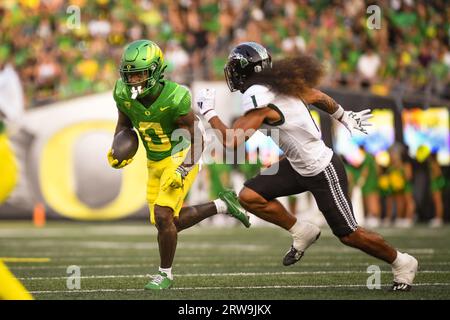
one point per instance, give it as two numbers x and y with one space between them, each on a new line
256 97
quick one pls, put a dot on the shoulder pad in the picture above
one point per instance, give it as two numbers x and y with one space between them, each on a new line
120 92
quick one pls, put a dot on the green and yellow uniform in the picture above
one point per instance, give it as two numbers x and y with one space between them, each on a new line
153 107
369 168
408 186
384 184
371 183
155 124
141 73
398 181
437 182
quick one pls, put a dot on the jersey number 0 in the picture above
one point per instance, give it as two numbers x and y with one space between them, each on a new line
155 137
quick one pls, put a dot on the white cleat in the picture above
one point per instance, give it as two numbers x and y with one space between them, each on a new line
404 274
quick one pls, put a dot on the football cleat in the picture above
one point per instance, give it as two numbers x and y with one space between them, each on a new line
308 238
159 282
292 256
400 287
404 275
234 208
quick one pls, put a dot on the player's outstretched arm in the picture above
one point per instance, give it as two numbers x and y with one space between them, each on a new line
191 123
243 128
351 120
321 100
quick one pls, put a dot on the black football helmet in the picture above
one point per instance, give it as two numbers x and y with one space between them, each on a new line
243 61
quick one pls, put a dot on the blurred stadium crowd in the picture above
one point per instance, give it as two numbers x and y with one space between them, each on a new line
389 189
57 58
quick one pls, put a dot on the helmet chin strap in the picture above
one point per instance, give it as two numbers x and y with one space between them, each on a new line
135 91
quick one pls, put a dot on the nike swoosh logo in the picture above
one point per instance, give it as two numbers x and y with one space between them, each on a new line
162 109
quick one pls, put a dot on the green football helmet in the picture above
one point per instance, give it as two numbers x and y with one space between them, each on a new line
141 67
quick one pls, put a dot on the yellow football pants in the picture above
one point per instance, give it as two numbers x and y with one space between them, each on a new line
157 173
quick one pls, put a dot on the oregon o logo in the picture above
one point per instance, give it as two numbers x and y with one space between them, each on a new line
58 179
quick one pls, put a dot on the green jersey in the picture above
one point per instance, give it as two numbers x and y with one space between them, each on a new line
156 122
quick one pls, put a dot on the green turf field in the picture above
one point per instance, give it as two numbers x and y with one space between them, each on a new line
212 263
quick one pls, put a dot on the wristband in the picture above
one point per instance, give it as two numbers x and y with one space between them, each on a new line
339 113
210 114
183 171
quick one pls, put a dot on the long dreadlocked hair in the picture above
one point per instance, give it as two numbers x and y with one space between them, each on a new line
290 76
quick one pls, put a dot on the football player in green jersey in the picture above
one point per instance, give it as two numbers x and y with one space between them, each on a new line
156 108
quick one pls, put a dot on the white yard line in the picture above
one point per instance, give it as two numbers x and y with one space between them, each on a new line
79 249
102 266
27 233
229 274
136 245
234 288
310 260
148 263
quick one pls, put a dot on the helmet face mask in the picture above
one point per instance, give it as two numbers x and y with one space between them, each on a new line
233 75
142 66
135 78
245 60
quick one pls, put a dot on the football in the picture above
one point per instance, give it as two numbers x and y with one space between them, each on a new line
125 145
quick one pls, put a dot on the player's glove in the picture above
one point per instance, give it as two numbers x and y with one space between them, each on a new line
176 179
115 163
205 101
353 120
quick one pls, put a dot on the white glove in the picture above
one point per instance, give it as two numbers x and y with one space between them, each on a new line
353 120
205 101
